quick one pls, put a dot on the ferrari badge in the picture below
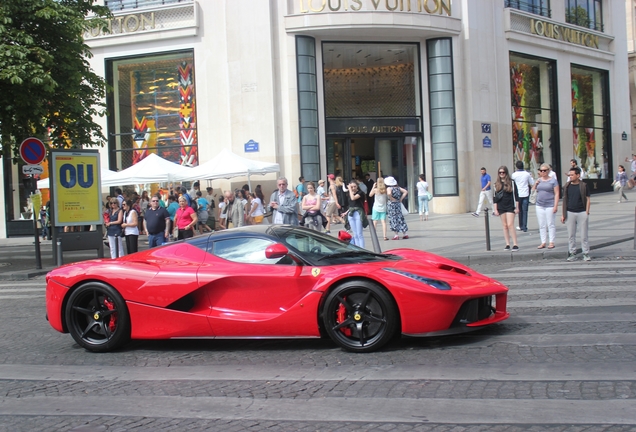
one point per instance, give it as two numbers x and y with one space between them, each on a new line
315 271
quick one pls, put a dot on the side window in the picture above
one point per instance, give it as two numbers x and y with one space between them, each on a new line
246 250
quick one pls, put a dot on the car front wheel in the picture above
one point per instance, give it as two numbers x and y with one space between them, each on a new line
360 316
97 317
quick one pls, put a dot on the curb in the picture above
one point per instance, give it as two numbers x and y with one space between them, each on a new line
20 275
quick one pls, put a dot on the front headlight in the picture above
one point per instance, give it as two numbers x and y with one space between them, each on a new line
435 283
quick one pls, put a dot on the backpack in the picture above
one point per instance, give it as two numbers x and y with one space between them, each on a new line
296 192
194 205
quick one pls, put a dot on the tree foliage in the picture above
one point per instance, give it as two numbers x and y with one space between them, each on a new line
47 87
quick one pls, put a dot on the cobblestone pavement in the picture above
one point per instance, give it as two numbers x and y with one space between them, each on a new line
564 361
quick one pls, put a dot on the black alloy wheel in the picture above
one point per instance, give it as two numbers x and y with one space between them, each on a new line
97 317
360 316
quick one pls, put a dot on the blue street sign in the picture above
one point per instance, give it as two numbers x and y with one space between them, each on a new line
251 146
487 142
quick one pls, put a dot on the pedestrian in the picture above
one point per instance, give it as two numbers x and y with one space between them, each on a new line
322 193
546 206
485 193
222 216
301 191
234 210
157 223
144 201
368 181
356 216
173 206
331 210
523 181
114 230
632 166
43 222
311 206
619 183
257 210
506 205
394 208
576 212
283 204
185 219
202 213
131 227
422 197
378 213
343 197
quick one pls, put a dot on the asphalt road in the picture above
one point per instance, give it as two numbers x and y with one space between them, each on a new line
564 361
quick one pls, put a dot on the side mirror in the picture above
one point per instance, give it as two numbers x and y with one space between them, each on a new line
276 251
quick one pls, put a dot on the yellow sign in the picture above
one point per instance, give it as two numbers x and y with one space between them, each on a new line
76 188
561 32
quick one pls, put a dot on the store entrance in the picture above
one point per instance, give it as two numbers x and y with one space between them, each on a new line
350 157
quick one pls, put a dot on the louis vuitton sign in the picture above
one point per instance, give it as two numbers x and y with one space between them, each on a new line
441 7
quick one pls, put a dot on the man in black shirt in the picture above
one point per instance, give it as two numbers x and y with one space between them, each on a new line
156 223
576 211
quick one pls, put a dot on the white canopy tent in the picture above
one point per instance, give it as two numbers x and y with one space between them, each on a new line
105 175
226 165
151 169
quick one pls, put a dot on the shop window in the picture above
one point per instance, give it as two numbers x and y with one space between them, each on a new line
590 121
117 5
535 130
538 7
585 13
308 107
153 109
370 80
442 115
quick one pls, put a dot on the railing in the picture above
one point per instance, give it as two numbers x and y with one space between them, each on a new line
535 7
117 5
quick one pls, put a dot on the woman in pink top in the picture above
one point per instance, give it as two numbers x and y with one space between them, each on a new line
311 206
185 219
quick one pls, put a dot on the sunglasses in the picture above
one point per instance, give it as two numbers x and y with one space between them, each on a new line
543 170
502 172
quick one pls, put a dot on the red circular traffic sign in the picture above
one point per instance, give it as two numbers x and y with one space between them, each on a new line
32 151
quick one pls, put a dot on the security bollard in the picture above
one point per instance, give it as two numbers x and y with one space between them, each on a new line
374 238
487 222
116 246
58 252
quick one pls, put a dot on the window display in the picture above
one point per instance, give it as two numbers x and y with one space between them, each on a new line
155 108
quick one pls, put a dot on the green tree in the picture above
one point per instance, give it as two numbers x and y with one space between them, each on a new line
47 87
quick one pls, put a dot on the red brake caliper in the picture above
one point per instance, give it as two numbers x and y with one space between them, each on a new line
112 325
341 316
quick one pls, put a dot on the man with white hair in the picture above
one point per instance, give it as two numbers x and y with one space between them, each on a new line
283 204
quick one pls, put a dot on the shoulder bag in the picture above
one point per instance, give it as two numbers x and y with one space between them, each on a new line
533 196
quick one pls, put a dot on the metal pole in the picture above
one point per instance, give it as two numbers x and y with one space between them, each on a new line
487 222
58 250
38 256
374 238
117 246
635 228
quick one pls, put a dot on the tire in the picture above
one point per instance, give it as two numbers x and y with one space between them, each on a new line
360 316
97 317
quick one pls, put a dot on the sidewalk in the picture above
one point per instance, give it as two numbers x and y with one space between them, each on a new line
459 237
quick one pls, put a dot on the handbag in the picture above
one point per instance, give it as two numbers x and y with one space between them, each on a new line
404 210
429 195
366 207
498 195
630 184
617 186
533 196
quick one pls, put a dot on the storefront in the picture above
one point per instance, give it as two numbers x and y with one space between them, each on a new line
350 87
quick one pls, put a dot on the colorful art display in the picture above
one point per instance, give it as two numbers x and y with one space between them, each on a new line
187 121
526 136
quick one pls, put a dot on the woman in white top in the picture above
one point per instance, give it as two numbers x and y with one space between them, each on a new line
311 207
378 212
256 210
422 197
131 227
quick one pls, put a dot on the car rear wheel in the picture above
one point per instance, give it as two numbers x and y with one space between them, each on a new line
97 317
360 316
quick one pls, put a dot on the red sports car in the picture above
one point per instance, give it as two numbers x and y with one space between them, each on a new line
269 282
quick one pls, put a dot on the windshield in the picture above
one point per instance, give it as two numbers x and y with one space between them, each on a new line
322 249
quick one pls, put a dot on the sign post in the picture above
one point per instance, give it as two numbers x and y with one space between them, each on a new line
33 152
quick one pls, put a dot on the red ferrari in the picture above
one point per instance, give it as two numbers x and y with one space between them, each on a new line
269 282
